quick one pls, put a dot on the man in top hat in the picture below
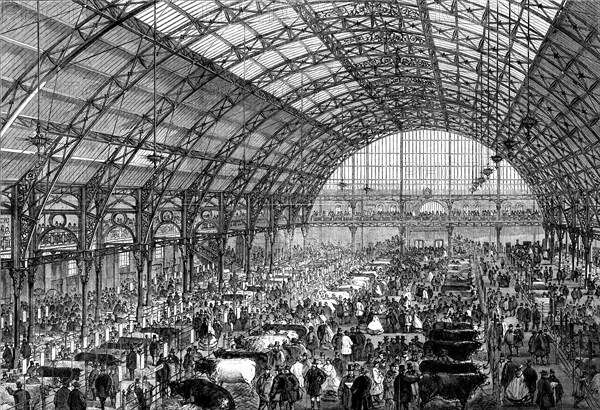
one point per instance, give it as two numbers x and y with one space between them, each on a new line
279 394
339 364
292 385
8 354
509 339
532 344
263 387
61 397
131 362
557 387
361 391
519 337
336 341
545 396
531 378
103 386
403 392
344 393
313 381
312 341
92 376
21 396
188 362
76 398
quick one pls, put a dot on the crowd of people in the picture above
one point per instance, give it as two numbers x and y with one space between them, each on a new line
363 343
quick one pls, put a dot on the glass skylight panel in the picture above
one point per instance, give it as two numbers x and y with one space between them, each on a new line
314 44
440 16
236 34
269 59
444 45
247 69
265 23
303 103
197 8
293 50
278 88
210 46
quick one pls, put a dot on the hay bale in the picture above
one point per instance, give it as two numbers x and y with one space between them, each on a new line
437 366
453 335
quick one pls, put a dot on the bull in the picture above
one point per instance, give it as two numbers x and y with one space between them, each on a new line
97 357
65 374
228 370
449 386
261 343
203 394
261 359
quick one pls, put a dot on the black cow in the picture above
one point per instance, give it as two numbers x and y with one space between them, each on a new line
96 357
204 394
449 386
65 374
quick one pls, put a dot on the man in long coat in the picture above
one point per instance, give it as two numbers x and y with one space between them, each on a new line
545 396
531 377
76 398
131 362
263 387
403 389
313 380
103 386
361 391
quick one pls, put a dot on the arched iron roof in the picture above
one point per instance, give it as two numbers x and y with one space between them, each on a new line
272 95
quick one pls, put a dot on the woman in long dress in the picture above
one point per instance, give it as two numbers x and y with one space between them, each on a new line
327 337
333 381
375 327
377 378
517 390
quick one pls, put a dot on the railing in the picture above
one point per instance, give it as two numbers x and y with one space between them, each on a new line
441 217
155 312
565 359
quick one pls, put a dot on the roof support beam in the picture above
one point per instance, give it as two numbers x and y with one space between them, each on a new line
317 26
426 23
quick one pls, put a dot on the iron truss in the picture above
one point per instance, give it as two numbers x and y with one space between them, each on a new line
255 103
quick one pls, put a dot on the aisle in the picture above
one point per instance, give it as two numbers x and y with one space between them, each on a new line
565 378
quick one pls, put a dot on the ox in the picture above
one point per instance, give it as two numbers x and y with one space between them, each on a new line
449 386
203 394
228 370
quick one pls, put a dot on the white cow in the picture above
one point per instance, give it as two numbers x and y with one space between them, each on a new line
234 371
262 343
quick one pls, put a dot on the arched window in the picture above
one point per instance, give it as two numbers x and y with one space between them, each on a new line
419 243
439 243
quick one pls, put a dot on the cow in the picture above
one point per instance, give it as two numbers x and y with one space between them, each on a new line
294 352
228 370
449 386
262 343
96 357
203 394
65 374
260 358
